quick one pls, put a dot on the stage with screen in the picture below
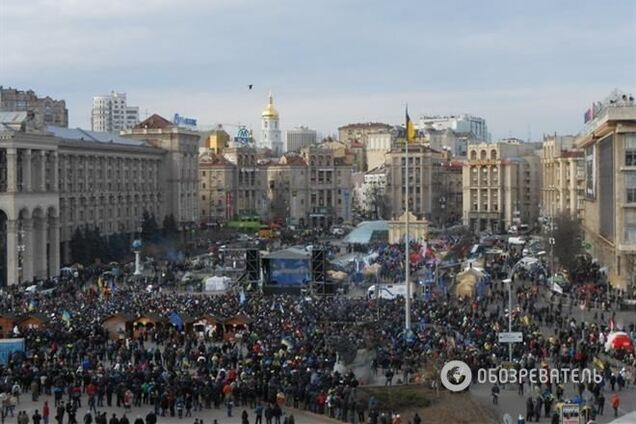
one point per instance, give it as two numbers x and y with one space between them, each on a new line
289 267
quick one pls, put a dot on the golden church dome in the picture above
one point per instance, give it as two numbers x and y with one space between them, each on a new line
269 111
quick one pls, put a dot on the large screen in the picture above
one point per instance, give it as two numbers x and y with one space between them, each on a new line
289 271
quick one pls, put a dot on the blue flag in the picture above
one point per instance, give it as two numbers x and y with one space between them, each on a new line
176 320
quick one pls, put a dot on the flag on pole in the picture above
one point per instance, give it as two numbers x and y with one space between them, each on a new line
410 128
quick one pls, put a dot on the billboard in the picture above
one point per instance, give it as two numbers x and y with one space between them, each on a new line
289 271
182 121
9 346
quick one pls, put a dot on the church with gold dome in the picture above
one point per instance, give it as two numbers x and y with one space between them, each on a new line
270 129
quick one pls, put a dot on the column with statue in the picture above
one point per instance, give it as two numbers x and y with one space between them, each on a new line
136 247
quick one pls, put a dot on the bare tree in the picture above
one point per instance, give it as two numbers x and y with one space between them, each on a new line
378 202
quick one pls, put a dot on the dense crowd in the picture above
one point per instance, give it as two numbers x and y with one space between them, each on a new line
287 354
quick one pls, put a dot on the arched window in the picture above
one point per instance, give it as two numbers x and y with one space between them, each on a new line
473 155
493 154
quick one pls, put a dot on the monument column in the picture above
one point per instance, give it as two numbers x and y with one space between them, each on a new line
26 170
39 247
43 170
12 170
27 253
54 247
12 252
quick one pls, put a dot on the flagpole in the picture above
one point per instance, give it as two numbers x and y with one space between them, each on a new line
407 270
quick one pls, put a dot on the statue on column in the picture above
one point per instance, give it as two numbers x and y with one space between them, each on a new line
136 247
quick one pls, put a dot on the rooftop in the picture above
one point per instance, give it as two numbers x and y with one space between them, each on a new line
361 125
79 134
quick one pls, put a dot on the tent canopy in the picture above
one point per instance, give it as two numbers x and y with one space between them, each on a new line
217 283
367 231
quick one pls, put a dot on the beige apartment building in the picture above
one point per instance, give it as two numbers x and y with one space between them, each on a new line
217 188
360 131
312 188
421 164
502 185
249 197
378 144
330 188
609 207
447 192
54 180
288 190
563 177
180 168
45 110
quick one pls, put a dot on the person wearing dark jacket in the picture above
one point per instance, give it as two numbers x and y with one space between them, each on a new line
36 417
113 420
529 409
151 418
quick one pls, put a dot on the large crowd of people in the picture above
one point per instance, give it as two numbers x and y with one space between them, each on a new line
286 354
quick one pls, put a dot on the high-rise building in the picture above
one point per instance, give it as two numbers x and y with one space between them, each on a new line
300 137
502 185
111 113
46 111
609 206
462 124
563 177
270 130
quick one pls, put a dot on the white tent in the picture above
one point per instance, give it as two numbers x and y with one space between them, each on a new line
217 283
517 241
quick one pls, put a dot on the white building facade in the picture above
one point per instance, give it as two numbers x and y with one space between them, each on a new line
463 123
300 137
111 113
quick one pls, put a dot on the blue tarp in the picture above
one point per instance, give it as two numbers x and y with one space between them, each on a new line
8 347
176 320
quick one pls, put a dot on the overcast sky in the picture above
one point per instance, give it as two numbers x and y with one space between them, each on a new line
525 66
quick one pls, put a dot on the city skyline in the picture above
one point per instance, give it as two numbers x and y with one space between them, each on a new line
531 67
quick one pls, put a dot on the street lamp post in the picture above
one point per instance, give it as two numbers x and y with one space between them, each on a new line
508 281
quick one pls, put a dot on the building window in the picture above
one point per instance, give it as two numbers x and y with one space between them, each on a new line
630 149
630 187
630 225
